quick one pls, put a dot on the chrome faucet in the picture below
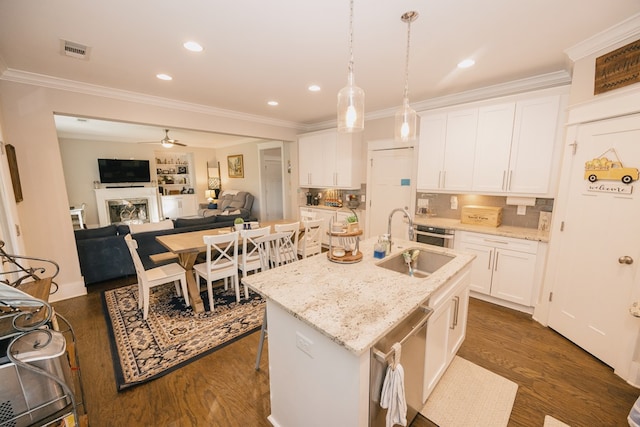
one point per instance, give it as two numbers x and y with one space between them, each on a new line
406 215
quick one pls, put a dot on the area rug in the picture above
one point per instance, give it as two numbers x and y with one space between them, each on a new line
469 395
172 336
549 421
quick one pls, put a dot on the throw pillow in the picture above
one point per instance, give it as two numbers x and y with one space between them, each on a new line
167 224
92 233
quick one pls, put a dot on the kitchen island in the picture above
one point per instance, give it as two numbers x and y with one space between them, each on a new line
324 318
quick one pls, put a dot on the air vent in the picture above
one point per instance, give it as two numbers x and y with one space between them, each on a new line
75 50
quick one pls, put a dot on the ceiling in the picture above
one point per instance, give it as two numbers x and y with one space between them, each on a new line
256 50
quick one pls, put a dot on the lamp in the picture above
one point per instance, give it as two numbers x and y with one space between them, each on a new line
350 97
214 180
210 195
406 116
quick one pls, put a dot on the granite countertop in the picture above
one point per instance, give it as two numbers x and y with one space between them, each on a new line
353 304
503 230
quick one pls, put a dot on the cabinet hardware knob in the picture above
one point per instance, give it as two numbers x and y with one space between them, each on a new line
625 260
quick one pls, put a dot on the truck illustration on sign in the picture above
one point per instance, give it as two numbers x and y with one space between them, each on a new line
603 168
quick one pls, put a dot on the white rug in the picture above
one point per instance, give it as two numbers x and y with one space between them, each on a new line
468 395
549 421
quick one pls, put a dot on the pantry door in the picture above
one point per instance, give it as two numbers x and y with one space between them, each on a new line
391 180
598 255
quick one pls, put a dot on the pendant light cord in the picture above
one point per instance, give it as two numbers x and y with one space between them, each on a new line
351 42
406 69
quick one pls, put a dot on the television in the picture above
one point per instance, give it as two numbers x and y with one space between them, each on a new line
114 171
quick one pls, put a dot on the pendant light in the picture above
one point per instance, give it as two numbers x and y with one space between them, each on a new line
406 116
350 97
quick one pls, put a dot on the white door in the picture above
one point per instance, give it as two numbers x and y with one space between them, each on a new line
272 179
391 172
593 287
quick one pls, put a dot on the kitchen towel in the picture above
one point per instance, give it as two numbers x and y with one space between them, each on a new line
393 397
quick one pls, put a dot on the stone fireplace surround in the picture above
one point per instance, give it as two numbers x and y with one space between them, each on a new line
128 196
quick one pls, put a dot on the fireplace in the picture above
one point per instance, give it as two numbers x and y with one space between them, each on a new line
127 205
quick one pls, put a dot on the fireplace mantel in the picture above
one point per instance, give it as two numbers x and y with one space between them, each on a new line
104 195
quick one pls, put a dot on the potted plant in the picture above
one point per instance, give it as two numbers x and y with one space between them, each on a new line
238 223
352 223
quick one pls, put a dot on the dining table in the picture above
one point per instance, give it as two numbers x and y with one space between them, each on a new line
187 246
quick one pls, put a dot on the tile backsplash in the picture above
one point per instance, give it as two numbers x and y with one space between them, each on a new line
440 205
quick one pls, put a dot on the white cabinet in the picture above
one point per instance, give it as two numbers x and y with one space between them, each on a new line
446 329
330 159
179 206
499 148
504 268
323 214
445 157
533 146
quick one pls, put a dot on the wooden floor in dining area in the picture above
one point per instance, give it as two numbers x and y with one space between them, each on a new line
555 377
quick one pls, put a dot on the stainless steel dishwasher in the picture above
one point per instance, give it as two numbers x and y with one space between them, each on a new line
411 334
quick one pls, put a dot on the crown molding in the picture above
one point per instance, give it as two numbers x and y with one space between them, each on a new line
35 79
626 29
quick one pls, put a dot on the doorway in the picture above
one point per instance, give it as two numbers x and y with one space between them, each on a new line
272 181
597 280
390 177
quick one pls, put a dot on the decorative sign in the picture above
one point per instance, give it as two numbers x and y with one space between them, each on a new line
601 168
618 68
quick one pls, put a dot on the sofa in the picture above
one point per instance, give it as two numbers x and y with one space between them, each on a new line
230 202
103 253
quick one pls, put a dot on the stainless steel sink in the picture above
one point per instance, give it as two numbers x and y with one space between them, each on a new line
425 264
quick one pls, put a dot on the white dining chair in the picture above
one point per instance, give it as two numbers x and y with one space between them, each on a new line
281 245
311 241
249 259
221 263
155 277
293 229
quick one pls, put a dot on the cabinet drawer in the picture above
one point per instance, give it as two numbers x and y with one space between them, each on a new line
522 245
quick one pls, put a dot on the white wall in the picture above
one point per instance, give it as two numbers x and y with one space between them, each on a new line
27 112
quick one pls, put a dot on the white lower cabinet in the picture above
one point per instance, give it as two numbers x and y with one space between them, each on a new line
446 329
179 206
504 268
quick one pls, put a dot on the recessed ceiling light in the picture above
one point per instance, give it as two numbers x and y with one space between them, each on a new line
164 77
273 103
466 63
193 46
314 88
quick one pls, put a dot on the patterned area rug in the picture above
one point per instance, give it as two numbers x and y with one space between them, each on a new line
173 335
469 395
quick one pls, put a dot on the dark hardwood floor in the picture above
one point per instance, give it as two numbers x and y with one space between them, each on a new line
555 377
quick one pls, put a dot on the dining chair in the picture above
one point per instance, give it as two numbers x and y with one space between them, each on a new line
293 229
221 263
249 259
311 241
281 245
155 277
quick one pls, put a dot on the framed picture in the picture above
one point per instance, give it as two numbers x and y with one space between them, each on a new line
13 171
236 166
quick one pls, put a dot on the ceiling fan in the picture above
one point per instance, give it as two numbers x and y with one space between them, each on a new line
166 141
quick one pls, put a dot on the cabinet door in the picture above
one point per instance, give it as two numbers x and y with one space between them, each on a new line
310 154
493 147
513 276
171 206
457 172
437 348
532 148
458 326
482 266
348 160
433 131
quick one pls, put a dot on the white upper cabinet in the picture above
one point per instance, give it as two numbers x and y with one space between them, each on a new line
532 148
330 159
444 160
496 148
433 131
493 147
